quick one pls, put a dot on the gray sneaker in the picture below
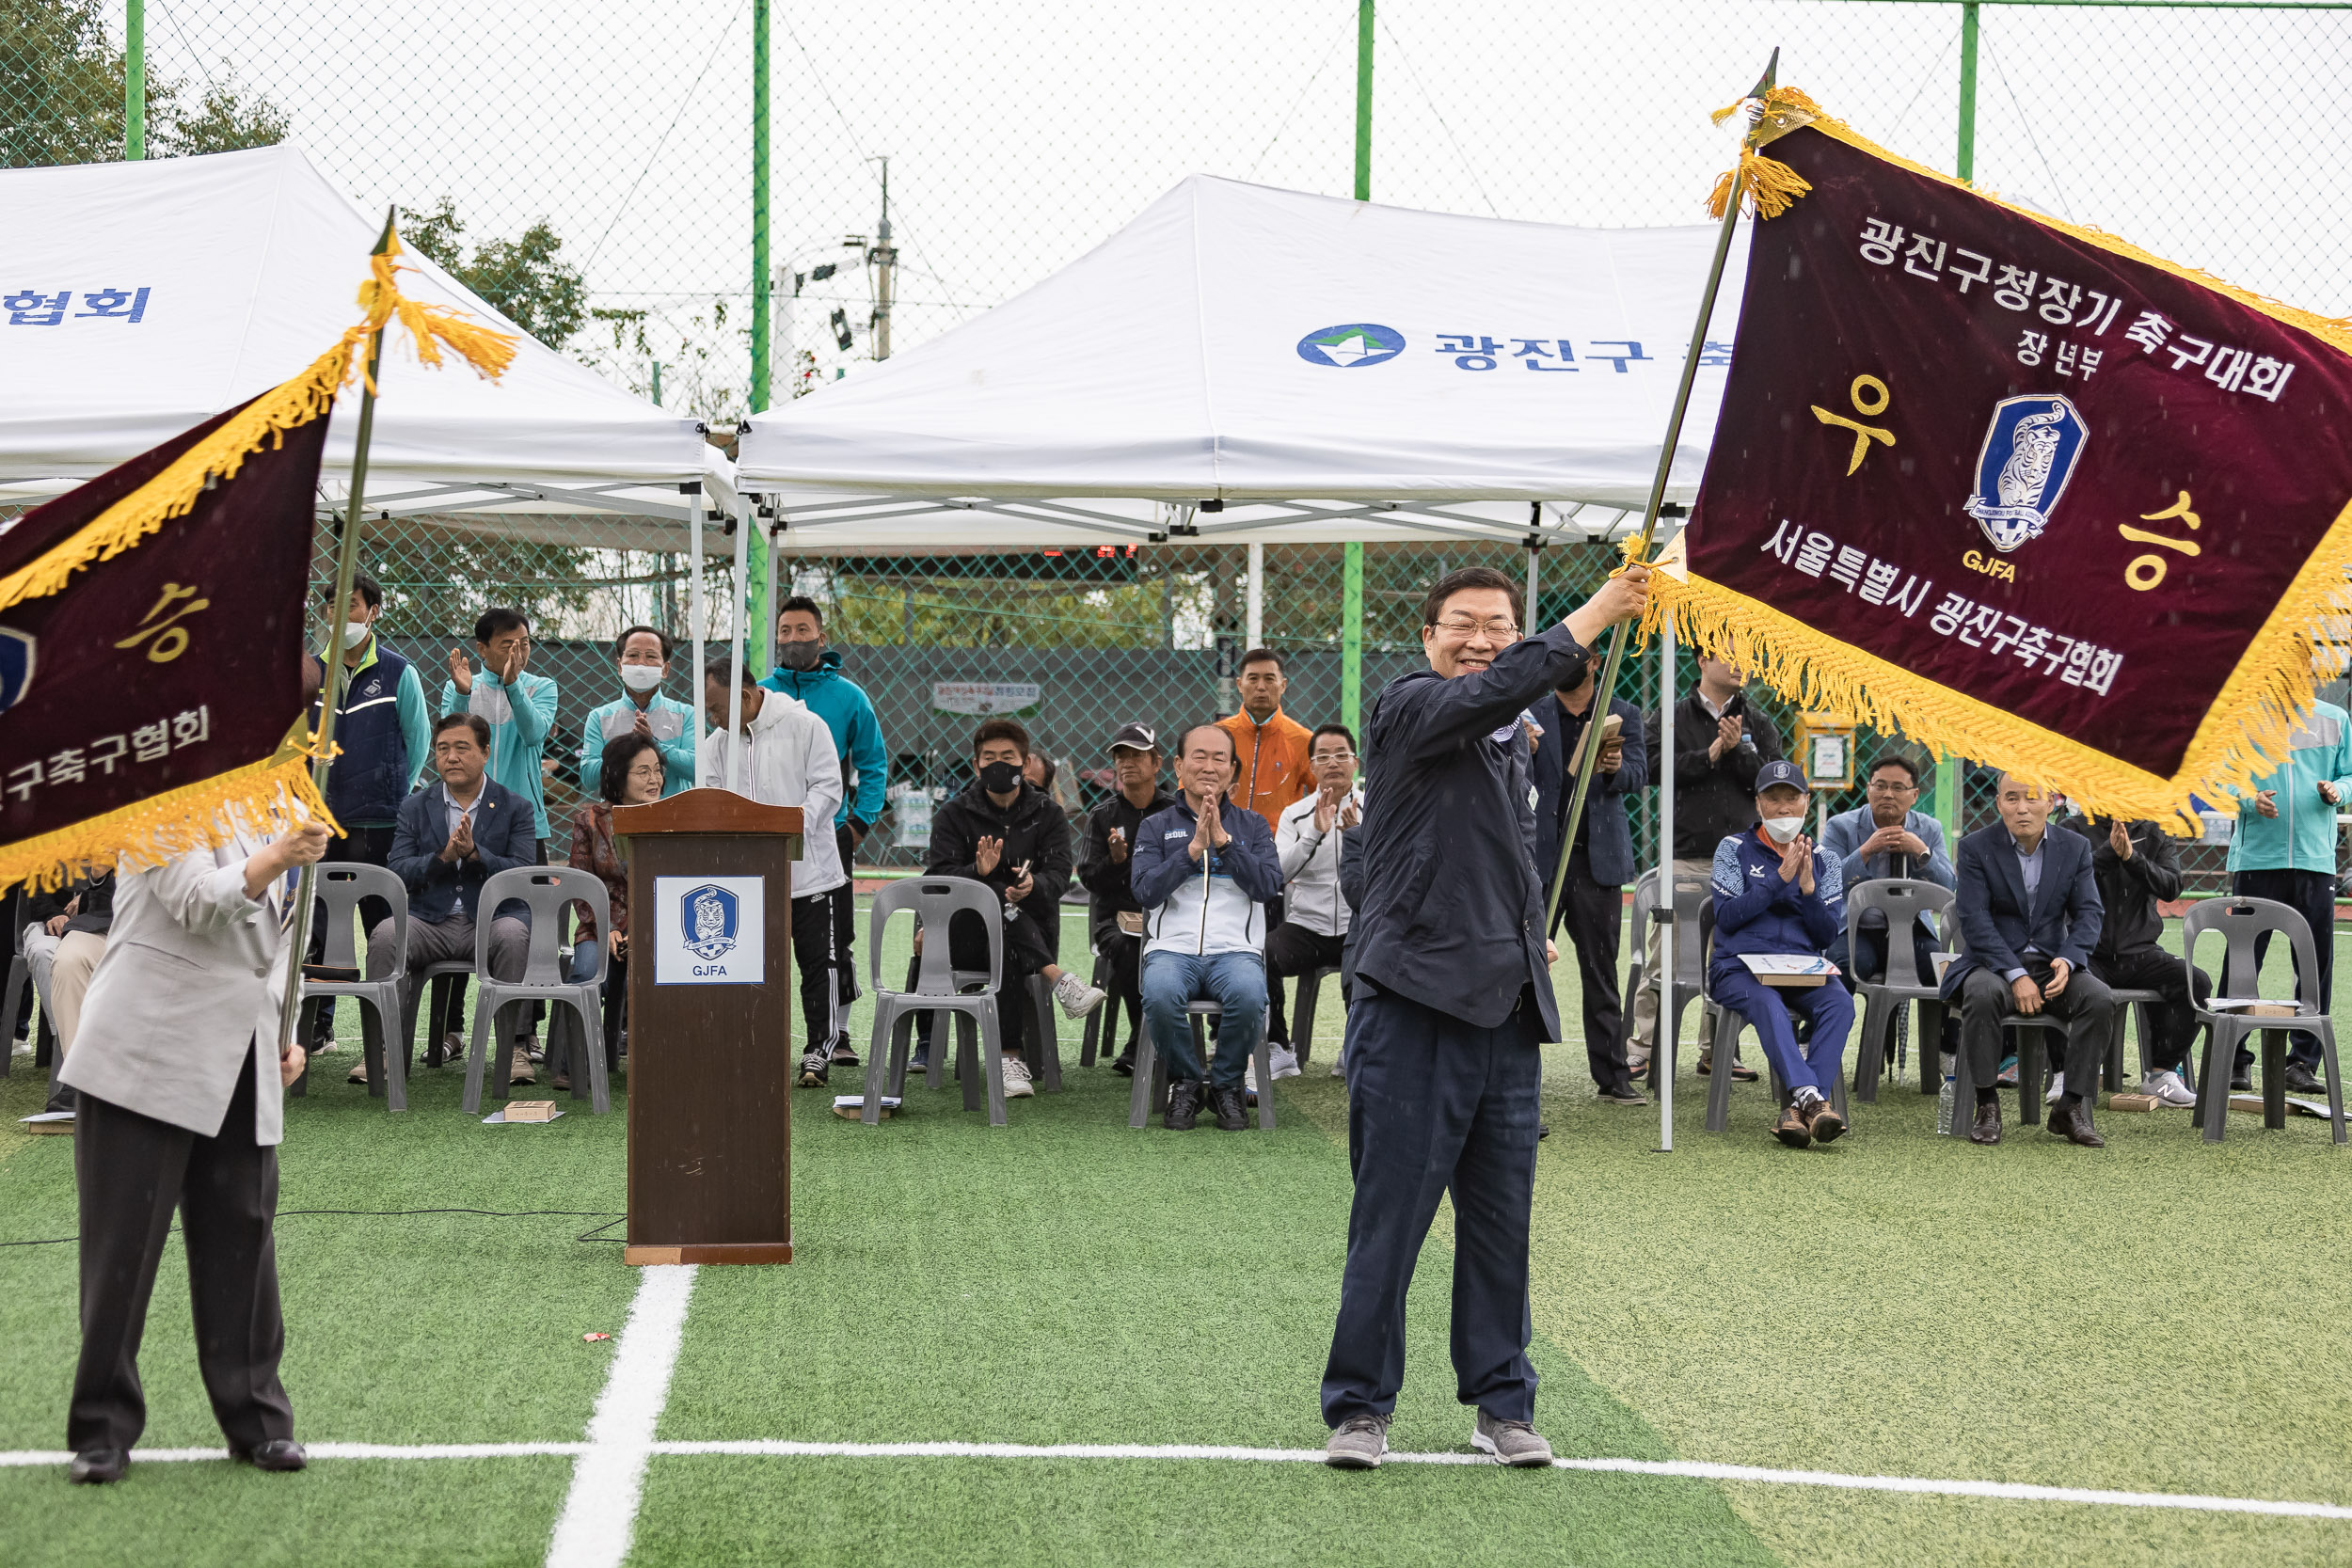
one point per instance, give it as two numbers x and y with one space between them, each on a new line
1514 1443
1357 1443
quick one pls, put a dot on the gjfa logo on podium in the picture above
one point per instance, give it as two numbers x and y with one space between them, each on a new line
710 931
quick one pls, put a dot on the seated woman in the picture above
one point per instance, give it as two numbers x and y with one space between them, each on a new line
630 776
1773 895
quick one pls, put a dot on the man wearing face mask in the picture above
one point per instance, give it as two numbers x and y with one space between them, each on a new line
810 672
644 657
383 739
1775 896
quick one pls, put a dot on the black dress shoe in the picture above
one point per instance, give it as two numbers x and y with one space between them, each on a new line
1987 1126
280 1453
98 1467
1124 1063
2302 1079
2242 1080
2073 1123
1183 1105
1232 1108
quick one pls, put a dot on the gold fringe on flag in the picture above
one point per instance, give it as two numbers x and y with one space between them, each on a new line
260 798
219 456
2244 736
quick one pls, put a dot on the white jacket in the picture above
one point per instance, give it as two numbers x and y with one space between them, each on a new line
1310 867
788 762
189 986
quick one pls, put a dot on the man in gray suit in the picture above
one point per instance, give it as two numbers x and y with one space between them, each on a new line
181 1072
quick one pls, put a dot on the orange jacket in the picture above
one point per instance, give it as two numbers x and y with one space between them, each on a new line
1272 770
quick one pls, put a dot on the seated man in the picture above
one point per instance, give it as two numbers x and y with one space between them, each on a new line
2030 914
2137 866
1007 833
1203 870
1115 918
1776 895
62 947
451 838
1307 842
1888 839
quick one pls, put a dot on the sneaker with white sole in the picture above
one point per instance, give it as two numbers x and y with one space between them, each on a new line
2168 1088
1017 1085
1076 997
2058 1087
1517 1444
1357 1443
1285 1061
813 1069
1250 1080
1338 1071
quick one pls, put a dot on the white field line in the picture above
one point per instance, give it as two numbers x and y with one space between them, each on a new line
1687 1469
600 1512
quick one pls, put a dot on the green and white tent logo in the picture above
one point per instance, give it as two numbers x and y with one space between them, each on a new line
1353 346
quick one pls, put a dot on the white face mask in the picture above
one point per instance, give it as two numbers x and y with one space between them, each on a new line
1783 829
355 632
640 677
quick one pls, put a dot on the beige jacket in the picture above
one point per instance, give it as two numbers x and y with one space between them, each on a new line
192 981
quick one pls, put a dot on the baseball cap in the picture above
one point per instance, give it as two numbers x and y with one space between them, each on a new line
1781 773
1136 737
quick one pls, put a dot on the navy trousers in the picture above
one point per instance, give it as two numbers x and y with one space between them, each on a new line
2313 895
1827 1008
1437 1106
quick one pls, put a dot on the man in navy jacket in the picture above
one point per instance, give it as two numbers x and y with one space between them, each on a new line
1452 998
453 837
2030 914
1591 901
1776 895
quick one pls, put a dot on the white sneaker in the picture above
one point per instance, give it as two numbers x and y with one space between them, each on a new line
1338 1071
1284 1059
2058 1087
1076 997
2168 1087
1017 1085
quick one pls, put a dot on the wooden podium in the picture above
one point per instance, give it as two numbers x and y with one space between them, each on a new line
710 1008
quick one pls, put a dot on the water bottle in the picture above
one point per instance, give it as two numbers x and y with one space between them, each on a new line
1944 1106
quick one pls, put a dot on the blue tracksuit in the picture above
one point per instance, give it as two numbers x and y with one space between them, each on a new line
1758 913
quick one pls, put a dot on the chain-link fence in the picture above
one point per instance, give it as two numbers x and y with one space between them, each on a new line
610 179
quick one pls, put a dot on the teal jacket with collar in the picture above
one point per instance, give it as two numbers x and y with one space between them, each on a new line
672 724
520 720
2302 837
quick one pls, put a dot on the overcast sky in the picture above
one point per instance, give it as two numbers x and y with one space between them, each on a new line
1023 132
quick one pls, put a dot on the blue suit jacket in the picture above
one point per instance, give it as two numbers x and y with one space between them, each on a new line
1612 835
1842 841
2063 921
504 834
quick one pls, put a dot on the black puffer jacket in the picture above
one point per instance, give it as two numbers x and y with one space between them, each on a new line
1035 831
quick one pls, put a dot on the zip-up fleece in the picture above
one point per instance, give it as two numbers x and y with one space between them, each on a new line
2302 837
1213 906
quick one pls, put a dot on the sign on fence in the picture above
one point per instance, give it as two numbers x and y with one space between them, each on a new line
986 697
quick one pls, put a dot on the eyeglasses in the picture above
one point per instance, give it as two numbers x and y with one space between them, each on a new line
646 771
1892 786
1456 625
1332 756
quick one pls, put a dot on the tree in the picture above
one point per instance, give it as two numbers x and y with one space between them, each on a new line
61 95
225 121
520 278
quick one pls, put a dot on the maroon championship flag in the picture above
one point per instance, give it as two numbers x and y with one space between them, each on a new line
2016 488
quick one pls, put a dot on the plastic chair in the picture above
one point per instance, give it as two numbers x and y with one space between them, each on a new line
1693 898
1150 1090
1303 1016
2243 922
342 885
939 987
12 995
1903 901
545 890
2140 1005
1720 1024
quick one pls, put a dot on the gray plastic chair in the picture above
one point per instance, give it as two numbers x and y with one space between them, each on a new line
1150 1090
12 995
1693 896
939 987
2140 1005
1303 1014
1903 901
342 885
1722 1024
546 890
2242 923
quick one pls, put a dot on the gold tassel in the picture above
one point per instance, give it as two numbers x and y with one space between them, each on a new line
2244 734
263 798
283 407
1768 185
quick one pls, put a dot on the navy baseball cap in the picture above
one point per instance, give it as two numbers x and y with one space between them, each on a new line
1781 773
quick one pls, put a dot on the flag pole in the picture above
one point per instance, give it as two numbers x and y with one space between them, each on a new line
1589 763
331 682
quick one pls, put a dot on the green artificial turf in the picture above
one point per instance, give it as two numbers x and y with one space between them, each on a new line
2157 1316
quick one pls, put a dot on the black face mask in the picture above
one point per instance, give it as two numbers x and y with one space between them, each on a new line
801 655
1000 778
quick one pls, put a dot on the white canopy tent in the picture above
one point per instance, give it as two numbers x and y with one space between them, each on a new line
1261 365
144 297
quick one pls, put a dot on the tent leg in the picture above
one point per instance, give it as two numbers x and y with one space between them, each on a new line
694 591
1660 1053
1257 597
734 645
